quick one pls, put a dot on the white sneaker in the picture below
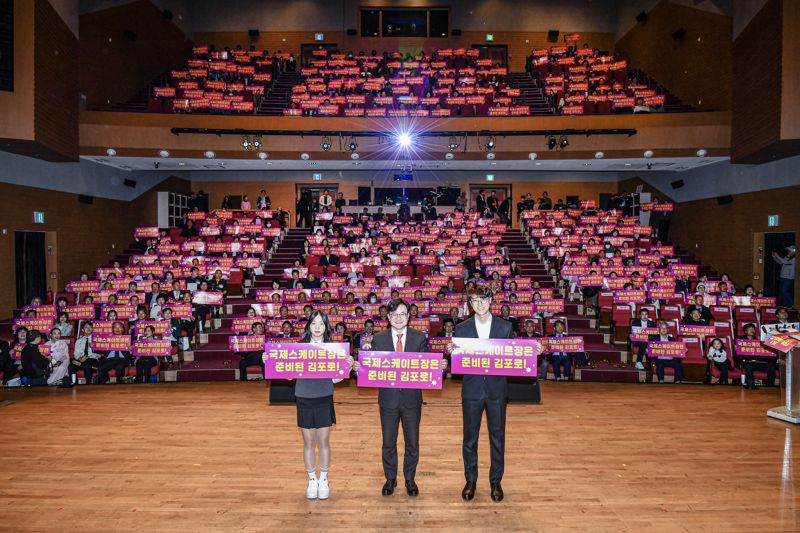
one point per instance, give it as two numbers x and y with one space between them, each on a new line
639 365
313 489
324 489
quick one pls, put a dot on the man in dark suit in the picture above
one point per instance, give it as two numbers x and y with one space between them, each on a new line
661 362
480 202
328 259
484 393
151 297
642 322
705 312
400 405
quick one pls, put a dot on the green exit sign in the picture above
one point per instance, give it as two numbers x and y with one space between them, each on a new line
490 37
38 217
773 221
489 177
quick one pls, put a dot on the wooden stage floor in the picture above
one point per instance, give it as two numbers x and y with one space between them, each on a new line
215 457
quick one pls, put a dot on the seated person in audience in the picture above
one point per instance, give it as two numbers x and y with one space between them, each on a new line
151 297
752 363
64 325
252 358
365 336
560 360
145 364
35 366
176 294
723 289
59 359
694 318
287 330
642 322
155 309
7 364
682 284
529 332
718 355
188 323
174 333
781 316
328 259
505 314
641 107
705 312
661 362
83 356
116 360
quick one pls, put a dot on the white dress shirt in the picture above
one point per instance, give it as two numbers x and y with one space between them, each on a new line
395 333
484 328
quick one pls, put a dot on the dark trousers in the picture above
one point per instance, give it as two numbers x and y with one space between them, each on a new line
119 364
390 425
672 363
36 382
723 370
761 365
89 367
143 366
786 292
496 421
559 361
249 359
642 348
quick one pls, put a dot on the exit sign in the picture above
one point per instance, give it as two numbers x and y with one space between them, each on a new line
490 37
316 176
773 221
319 37
38 217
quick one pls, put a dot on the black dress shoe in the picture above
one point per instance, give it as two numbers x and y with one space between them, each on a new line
497 493
388 487
411 488
469 491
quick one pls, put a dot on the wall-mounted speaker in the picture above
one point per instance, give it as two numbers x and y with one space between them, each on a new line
725 200
456 33
679 34
352 32
84 199
129 34
167 14
552 36
641 18
130 183
253 34
677 184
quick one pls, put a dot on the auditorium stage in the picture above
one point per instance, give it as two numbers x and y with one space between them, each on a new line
215 457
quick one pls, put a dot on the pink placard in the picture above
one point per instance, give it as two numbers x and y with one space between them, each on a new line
152 348
494 357
304 360
666 349
406 370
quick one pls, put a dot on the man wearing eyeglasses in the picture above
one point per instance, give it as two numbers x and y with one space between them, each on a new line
400 405
484 393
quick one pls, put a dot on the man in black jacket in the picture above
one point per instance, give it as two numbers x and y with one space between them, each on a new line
642 322
484 393
329 259
34 364
398 405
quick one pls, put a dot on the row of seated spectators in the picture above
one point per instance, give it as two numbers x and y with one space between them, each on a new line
449 82
612 263
95 330
582 80
221 81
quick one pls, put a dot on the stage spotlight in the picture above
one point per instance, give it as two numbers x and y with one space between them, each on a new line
648 153
551 142
352 145
257 142
449 156
164 153
111 152
246 142
532 156
326 143
490 144
262 155
490 156
453 144
563 142
702 152
304 156
599 155
210 154
404 140
354 156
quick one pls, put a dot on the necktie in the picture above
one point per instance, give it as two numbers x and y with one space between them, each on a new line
86 347
399 347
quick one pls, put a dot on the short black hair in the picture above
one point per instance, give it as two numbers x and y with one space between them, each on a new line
394 304
481 291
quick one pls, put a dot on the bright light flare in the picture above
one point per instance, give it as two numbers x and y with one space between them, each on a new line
404 140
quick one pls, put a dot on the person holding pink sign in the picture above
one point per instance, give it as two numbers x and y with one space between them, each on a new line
484 393
661 361
399 405
315 413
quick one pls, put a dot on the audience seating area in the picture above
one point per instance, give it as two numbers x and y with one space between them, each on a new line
591 271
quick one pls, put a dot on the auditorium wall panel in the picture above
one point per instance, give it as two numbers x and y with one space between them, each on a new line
17 106
86 235
697 69
107 72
